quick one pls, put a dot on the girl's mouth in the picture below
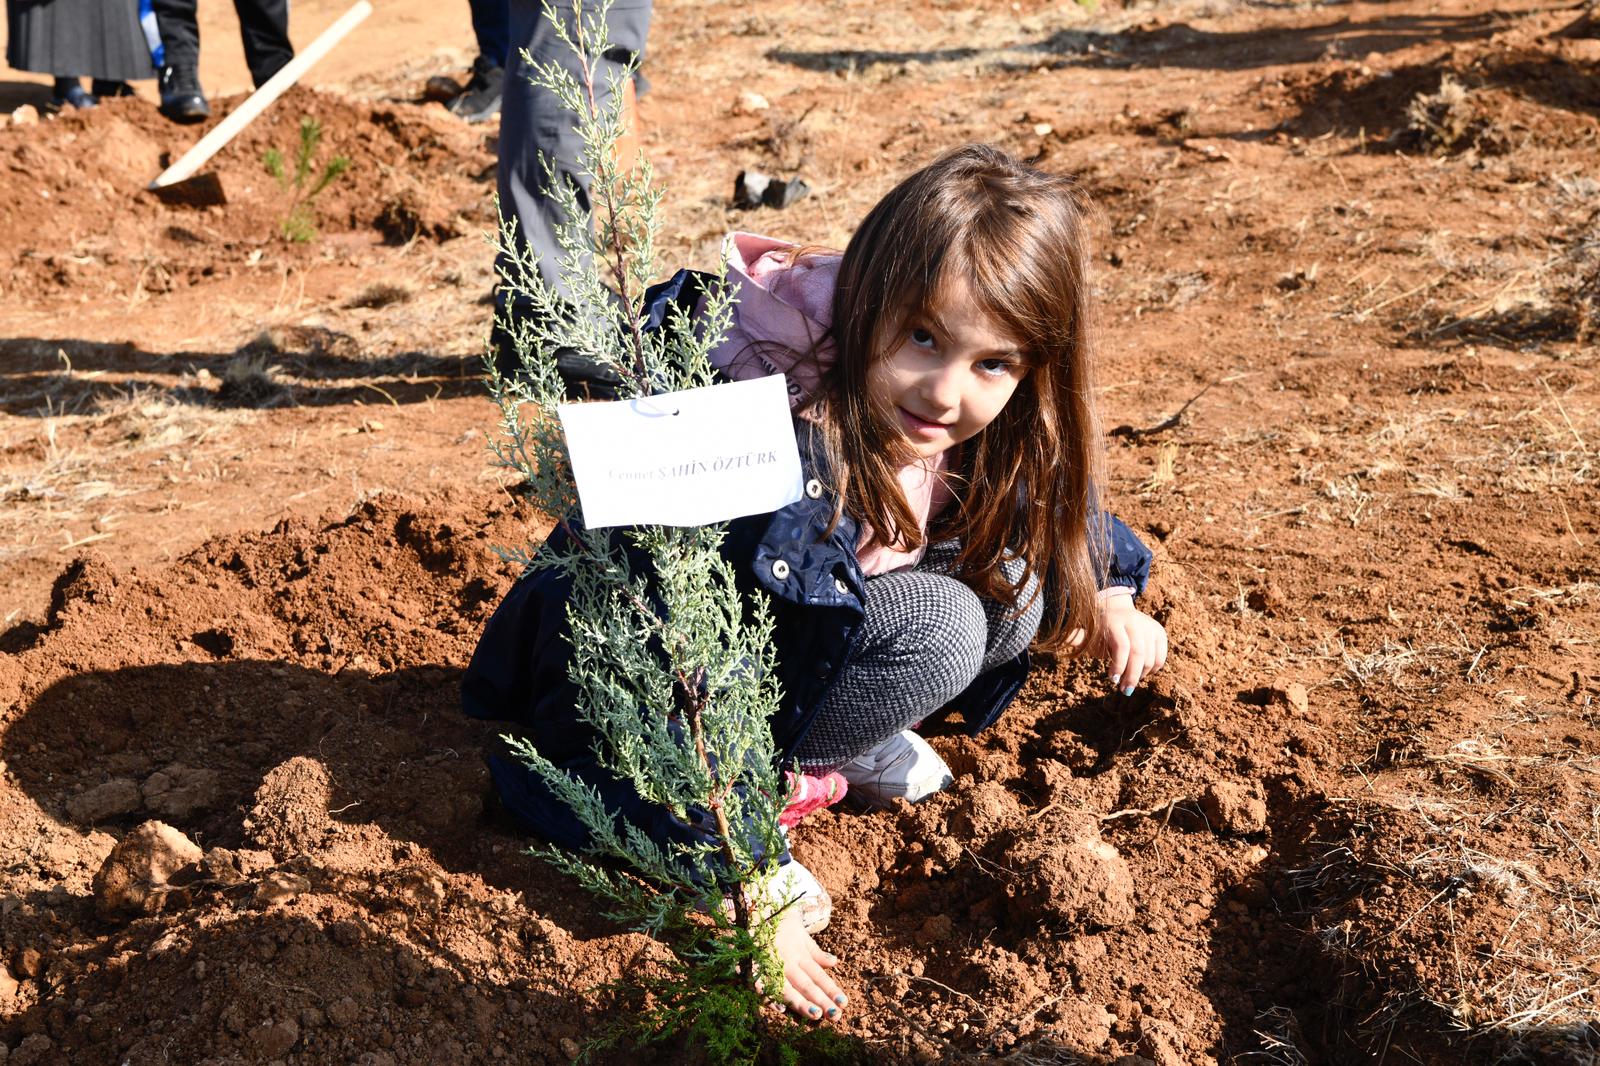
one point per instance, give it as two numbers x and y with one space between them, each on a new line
917 426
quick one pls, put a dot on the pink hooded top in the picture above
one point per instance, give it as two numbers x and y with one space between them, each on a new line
783 312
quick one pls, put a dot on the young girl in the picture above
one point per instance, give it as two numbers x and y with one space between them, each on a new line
940 372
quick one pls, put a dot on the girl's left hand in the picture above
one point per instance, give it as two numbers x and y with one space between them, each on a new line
1134 645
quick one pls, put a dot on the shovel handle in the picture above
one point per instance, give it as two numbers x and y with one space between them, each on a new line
261 99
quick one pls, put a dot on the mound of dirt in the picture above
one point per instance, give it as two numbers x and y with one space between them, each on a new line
74 210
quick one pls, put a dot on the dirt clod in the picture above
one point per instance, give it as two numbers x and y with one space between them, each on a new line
281 886
136 875
276 1039
1067 874
1235 807
112 799
178 791
1292 696
290 814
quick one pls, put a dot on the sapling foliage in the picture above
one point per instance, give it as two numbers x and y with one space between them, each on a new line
303 182
672 664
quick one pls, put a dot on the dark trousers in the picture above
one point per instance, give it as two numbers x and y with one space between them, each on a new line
534 126
491 25
925 637
263 24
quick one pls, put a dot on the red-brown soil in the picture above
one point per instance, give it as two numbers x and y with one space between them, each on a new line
1350 324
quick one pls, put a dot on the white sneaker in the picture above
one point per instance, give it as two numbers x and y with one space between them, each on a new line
796 885
902 767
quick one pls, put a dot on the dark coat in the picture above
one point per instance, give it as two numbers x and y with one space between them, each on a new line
518 673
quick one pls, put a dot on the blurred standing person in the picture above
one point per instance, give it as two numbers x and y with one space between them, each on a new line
264 26
74 39
533 124
480 100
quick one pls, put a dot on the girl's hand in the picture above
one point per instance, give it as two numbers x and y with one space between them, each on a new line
807 988
1134 645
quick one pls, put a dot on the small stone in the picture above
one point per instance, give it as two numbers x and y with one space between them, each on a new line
281 886
1080 1023
343 1012
1294 697
28 962
26 115
275 1040
138 873
750 103
8 984
109 800
1162 1042
570 1048
178 791
1043 129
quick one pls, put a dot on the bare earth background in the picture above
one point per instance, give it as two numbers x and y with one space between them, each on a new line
248 513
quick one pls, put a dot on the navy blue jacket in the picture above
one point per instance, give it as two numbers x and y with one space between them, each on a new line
518 673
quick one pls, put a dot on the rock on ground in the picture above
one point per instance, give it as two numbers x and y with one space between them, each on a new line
116 797
136 875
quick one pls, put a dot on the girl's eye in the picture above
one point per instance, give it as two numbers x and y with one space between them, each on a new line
996 367
922 338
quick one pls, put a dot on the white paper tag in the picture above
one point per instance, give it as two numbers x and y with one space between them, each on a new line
685 458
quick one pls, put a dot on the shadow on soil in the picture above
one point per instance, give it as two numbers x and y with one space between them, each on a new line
398 757
1347 102
13 94
397 751
269 981
293 367
1177 45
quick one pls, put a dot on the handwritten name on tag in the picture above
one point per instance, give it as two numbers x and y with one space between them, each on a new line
685 458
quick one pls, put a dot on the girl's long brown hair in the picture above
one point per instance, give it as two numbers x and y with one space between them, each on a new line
1028 484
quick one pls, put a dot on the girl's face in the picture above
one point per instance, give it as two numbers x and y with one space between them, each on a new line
949 378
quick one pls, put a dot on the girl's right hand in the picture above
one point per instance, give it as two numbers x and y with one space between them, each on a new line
807 988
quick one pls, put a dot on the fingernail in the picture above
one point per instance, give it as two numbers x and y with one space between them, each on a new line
1128 691
815 1012
833 1012
1115 678
839 999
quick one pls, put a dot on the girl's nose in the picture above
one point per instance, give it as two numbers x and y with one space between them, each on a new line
942 389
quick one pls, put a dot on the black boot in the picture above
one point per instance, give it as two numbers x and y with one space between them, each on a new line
182 99
68 92
480 101
104 89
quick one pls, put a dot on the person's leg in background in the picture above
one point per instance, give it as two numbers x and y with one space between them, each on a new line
480 100
264 28
182 99
533 124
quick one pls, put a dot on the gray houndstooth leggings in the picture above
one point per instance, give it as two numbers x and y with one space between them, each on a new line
924 638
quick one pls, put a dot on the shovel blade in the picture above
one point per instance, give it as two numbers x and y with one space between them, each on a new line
202 190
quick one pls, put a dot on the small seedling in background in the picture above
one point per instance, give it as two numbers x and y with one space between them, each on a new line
300 224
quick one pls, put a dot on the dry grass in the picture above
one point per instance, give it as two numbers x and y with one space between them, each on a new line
61 472
249 380
1280 1036
1531 976
382 294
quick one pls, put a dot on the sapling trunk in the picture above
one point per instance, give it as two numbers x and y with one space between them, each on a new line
673 665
